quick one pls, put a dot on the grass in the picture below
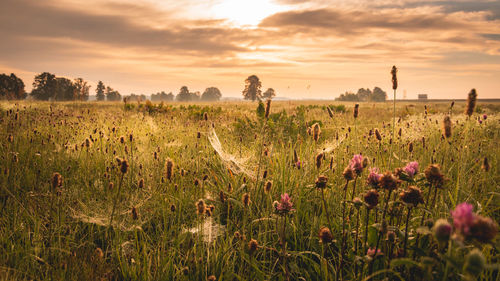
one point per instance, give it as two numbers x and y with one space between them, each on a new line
65 232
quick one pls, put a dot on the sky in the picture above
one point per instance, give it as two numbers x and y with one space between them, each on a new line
303 49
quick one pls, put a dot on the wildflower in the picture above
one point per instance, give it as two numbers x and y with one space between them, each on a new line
411 169
253 245
356 111
141 183
471 102
285 205
348 174
474 262
388 181
377 135
321 182
371 198
463 217
483 229
442 230
412 196
485 116
434 176
325 235
356 163
373 177
371 252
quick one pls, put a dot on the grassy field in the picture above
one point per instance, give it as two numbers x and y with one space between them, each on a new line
114 191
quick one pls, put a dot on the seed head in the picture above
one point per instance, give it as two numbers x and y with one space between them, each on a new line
325 235
246 199
388 181
321 182
371 198
201 207
56 181
316 130
434 176
170 168
394 72
268 108
447 127
124 166
348 174
253 245
471 102
268 186
412 196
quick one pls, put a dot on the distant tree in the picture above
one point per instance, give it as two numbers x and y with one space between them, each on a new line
82 89
269 93
364 94
252 88
378 95
44 86
211 94
183 94
162 96
112 95
65 90
134 97
100 91
348 96
11 87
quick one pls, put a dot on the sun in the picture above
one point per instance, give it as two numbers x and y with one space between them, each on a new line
245 13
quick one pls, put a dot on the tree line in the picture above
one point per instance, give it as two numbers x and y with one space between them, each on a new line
47 86
364 95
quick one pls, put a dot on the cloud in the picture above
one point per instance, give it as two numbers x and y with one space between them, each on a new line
36 19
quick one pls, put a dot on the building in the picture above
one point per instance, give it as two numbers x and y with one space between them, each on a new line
422 97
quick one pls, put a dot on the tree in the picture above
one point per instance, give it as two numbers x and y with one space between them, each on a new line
252 88
44 86
162 96
82 89
112 95
269 94
65 90
183 94
11 87
378 95
100 91
364 94
211 94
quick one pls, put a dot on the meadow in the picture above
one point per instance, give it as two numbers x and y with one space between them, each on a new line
291 190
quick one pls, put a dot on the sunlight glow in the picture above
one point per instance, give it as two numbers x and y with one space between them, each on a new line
246 13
